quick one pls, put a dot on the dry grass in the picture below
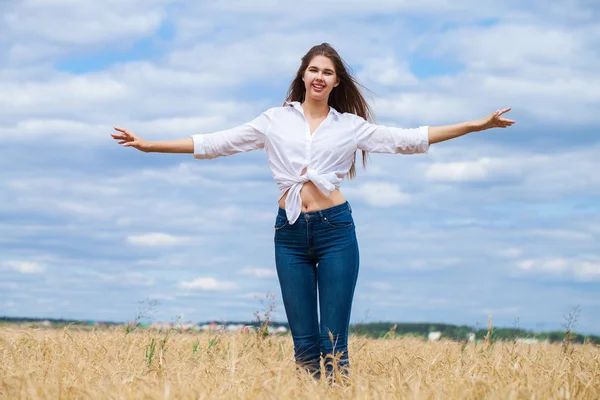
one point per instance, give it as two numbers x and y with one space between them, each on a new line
73 363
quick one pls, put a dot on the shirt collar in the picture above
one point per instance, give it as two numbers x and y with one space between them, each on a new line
298 106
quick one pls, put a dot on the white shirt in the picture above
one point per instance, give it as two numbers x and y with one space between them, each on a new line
327 154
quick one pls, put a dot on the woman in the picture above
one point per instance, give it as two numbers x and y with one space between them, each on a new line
311 144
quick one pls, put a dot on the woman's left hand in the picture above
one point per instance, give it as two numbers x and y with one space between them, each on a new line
494 121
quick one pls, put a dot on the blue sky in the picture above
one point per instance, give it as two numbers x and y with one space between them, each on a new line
501 222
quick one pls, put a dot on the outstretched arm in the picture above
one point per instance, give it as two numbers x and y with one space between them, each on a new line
441 133
128 139
247 137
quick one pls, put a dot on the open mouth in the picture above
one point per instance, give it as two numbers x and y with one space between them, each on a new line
318 88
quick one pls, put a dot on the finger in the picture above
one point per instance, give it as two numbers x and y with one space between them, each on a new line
500 112
120 129
510 121
117 136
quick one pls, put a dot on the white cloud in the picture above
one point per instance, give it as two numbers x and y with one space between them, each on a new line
156 239
80 209
387 71
260 272
412 108
72 131
121 279
356 7
560 234
549 265
586 269
379 194
25 267
76 24
459 171
511 168
510 174
162 97
519 63
272 58
58 91
208 284
529 44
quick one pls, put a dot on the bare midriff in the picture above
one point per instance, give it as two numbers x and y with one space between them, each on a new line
314 200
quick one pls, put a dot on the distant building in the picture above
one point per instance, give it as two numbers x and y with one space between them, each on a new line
527 340
235 327
213 326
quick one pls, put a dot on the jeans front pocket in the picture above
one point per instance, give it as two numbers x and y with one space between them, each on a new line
280 222
341 220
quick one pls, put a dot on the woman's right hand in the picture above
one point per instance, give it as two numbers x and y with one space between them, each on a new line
128 139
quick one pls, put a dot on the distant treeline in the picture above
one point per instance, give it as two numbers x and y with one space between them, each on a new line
459 333
376 329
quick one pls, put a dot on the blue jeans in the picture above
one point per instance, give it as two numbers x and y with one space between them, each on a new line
318 255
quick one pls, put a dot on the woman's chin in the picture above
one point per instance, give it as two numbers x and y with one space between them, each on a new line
318 96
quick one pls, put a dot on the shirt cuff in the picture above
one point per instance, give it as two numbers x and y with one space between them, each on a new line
199 148
423 145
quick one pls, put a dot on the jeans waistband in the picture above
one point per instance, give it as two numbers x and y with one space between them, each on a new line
322 213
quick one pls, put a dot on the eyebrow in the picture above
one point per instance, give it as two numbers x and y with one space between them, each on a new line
326 69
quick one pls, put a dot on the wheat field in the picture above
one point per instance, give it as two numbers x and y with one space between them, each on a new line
75 363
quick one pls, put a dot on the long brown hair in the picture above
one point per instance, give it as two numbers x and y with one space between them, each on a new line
346 97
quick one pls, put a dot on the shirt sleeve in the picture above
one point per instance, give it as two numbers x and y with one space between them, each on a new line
382 139
243 138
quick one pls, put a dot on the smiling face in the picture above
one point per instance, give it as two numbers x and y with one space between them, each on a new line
321 70
320 78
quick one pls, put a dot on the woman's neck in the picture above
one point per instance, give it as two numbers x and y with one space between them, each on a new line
315 109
